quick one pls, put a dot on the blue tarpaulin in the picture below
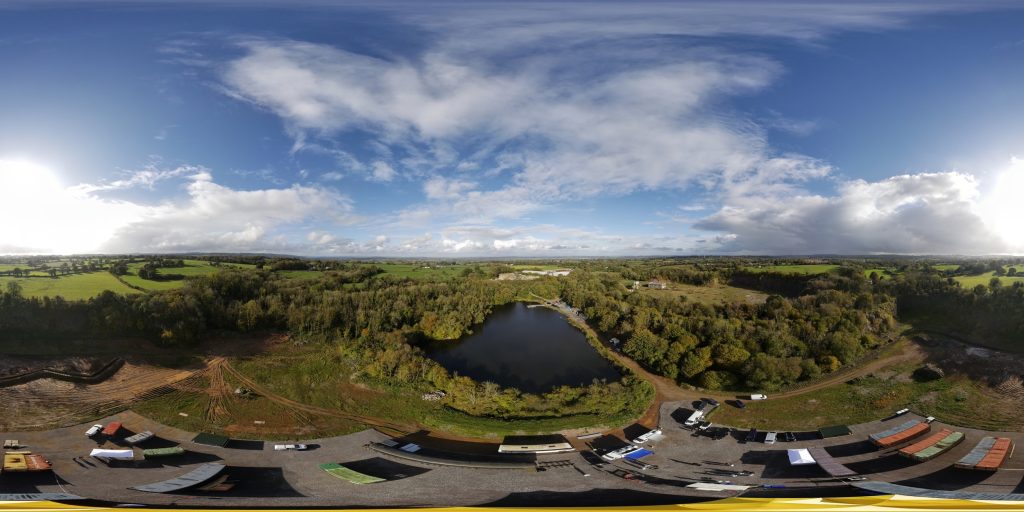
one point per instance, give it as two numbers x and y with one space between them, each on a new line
639 454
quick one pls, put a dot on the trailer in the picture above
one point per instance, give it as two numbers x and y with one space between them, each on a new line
139 438
112 428
151 453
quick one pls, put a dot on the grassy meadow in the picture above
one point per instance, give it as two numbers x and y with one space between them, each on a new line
972 281
712 294
794 269
70 287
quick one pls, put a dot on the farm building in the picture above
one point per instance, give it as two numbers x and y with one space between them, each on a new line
558 272
162 452
211 439
200 475
899 434
933 445
834 431
535 444
988 455
17 462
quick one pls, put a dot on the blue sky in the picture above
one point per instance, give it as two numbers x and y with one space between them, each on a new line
524 129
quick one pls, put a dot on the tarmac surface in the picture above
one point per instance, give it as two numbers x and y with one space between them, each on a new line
268 478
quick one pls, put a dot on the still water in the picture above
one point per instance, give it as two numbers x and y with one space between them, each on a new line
531 349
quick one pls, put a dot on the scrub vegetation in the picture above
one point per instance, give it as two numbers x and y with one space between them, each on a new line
354 327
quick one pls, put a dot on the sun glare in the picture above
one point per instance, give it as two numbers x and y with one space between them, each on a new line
1004 207
41 215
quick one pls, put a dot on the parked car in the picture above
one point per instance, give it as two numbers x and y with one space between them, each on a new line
281 447
788 437
739 404
751 435
93 430
770 437
759 396
711 401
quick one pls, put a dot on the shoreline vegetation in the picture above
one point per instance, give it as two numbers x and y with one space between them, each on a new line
353 326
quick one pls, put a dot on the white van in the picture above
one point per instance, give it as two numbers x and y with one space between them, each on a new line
770 437
759 397
282 447
694 419
93 430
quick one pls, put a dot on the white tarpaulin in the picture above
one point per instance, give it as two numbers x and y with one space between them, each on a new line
112 454
800 457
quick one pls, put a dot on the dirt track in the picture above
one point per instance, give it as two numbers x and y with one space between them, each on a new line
48 403
391 427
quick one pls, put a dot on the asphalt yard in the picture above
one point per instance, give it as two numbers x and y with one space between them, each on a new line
260 476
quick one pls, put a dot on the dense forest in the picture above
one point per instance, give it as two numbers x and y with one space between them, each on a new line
809 325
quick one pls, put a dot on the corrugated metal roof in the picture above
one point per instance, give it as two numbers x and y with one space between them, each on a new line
887 488
639 454
829 464
39 496
194 477
210 439
834 431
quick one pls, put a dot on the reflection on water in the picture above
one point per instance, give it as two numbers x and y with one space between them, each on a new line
531 349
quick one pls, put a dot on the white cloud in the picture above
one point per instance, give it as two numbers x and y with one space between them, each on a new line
914 213
145 178
215 217
212 217
382 172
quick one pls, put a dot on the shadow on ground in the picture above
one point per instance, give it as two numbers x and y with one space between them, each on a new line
386 469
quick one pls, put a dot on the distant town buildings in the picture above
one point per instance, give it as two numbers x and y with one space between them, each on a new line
559 272
526 275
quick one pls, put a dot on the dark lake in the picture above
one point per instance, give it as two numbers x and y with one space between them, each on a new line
531 349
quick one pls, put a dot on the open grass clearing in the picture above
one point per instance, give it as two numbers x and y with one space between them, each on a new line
958 399
299 274
883 273
425 271
969 282
192 268
711 294
794 269
70 287
317 376
521 266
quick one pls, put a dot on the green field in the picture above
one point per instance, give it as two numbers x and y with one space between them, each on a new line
421 271
192 268
881 273
954 400
946 266
299 274
537 267
712 294
71 287
794 269
969 282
